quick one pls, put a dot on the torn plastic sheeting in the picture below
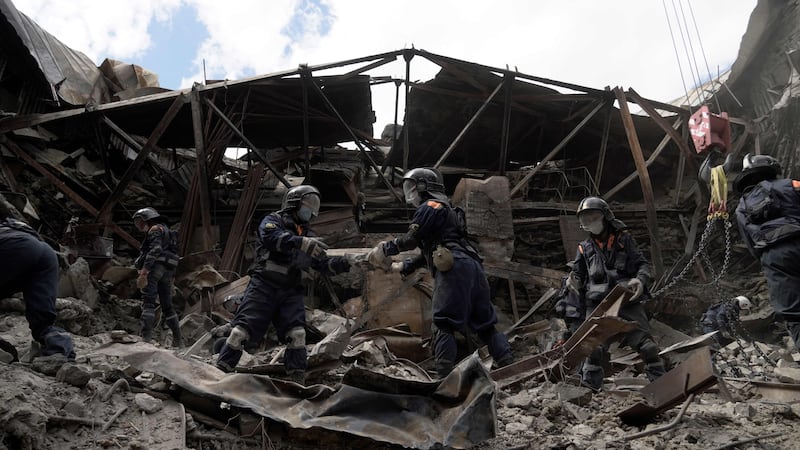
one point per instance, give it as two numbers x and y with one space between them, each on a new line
458 412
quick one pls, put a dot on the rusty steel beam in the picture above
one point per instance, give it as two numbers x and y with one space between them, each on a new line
133 169
555 150
664 125
468 126
644 179
341 120
244 139
241 220
661 146
508 80
693 376
363 69
601 159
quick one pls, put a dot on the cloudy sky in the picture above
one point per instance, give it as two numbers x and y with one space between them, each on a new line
594 43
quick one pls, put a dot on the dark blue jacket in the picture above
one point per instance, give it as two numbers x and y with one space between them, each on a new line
435 222
602 265
768 213
160 245
278 255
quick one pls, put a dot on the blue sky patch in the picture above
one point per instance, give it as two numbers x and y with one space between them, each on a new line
174 46
298 26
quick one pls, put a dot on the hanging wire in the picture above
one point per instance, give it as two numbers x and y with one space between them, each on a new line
705 60
695 79
677 56
694 55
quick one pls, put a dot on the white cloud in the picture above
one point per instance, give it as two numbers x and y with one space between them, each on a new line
586 42
99 28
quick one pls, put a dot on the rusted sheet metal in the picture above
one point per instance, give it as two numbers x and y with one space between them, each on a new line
601 325
692 376
780 392
456 412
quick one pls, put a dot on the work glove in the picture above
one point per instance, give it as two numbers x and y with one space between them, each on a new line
397 267
221 330
314 248
635 285
574 283
377 258
141 281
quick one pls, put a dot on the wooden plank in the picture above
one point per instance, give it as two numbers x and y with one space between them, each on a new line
524 273
664 125
203 193
644 179
542 300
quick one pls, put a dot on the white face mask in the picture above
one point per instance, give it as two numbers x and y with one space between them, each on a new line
592 221
411 193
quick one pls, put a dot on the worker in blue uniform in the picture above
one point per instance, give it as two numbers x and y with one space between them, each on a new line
286 249
30 266
768 216
610 257
461 296
157 261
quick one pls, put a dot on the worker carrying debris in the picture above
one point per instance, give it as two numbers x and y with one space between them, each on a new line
461 298
157 261
607 258
768 215
30 266
285 250
722 316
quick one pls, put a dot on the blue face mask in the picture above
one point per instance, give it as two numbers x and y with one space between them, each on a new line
305 214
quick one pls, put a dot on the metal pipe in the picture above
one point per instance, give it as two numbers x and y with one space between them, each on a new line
664 427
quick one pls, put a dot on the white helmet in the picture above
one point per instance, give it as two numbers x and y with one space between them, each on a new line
744 302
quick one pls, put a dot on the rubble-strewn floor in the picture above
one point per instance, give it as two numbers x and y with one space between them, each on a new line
42 411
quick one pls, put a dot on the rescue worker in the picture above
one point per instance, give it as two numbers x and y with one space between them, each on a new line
29 265
461 298
607 258
768 216
158 258
722 316
285 250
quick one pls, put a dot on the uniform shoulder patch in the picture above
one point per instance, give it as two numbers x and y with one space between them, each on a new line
270 226
434 204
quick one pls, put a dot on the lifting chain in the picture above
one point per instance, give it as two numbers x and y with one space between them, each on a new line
701 253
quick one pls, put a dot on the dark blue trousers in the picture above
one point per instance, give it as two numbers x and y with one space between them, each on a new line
31 266
781 268
461 301
266 303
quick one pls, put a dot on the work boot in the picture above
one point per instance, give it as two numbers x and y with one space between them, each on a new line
297 376
147 320
504 360
175 326
592 376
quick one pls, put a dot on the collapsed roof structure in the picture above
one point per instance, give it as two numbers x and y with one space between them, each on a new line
85 146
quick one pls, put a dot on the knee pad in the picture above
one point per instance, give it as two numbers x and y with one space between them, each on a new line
237 338
296 338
